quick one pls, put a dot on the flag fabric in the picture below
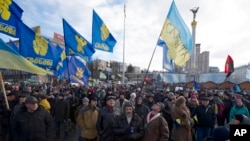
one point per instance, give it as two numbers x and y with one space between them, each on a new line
77 71
14 46
11 59
248 74
63 62
195 86
10 17
147 80
102 76
168 63
236 88
75 44
38 50
229 66
177 37
102 39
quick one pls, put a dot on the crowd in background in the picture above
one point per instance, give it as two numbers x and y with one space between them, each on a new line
120 114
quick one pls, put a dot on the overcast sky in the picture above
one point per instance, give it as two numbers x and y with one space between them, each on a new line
222 26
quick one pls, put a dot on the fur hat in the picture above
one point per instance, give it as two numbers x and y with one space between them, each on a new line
180 100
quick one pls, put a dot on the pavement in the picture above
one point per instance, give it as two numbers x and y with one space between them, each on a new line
73 135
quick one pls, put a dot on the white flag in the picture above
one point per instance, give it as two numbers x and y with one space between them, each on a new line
248 74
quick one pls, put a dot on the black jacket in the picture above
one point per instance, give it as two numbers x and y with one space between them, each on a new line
35 126
206 116
129 132
105 123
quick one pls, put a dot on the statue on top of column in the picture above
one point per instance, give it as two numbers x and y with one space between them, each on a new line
194 10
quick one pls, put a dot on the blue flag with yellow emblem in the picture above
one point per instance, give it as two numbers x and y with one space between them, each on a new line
75 44
102 39
63 63
38 50
11 59
77 71
10 17
177 37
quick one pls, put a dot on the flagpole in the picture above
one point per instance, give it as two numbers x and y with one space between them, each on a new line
4 92
123 70
149 65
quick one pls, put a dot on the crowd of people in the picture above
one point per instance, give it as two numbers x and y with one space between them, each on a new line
120 114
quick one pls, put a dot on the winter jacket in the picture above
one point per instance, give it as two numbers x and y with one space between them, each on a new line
125 131
206 116
87 120
35 126
238 110
141 110
185 126
105 123
156 128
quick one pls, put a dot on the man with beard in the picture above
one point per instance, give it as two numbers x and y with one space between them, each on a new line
87 119
106 119
129 126
156 127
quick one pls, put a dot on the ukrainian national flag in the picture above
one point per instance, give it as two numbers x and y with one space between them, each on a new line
11 59
10 17
102 39
75 44
77 71
177 37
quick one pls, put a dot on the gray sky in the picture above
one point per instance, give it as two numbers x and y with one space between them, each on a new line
222 28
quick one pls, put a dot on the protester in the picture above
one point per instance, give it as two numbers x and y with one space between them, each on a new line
60 114
106 119
129 126
87 120
33 123
156 127
205 118
238 108
181 116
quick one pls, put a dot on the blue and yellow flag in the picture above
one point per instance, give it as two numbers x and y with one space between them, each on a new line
102 39
75 44
38 50
177 37
10 17
63 63
11 59
77 71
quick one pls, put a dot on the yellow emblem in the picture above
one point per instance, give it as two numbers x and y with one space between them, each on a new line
104 32
79 72
4 9
81 43
40 45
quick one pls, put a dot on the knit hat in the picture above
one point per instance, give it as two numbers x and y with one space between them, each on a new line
31 100
221 133
85 99
133 94
180 100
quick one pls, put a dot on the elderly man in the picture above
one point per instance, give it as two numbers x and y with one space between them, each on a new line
129 126
33 123
106 119
156 127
